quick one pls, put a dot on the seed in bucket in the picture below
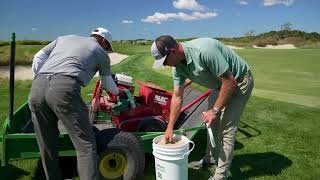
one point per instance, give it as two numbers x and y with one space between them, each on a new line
175 142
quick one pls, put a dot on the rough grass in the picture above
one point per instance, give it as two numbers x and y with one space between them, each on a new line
276 140
24 54
310 45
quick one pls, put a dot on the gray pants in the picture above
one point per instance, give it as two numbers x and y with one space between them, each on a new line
58 97
225 129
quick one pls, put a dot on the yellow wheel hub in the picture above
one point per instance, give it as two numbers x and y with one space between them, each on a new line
113 165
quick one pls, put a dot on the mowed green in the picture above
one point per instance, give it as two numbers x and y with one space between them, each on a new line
289 75
286 75
277 139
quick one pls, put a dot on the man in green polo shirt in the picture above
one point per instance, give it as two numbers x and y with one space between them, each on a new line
211 64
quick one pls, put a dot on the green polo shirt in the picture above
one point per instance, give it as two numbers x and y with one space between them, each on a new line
207 59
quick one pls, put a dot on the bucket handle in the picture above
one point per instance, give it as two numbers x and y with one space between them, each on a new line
187 153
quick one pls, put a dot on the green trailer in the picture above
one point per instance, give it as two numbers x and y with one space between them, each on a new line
19 142
121 153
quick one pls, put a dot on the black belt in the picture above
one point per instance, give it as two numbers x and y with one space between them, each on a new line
50 76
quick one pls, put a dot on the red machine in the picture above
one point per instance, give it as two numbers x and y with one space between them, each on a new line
149 111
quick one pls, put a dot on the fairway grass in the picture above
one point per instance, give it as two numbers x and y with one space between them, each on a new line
309 101
277 139
286 75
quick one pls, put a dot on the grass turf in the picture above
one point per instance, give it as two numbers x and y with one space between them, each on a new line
276 140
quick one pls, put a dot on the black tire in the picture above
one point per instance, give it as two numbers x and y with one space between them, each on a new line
151 125
116 148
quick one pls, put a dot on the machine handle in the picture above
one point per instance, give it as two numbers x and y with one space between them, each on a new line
211 137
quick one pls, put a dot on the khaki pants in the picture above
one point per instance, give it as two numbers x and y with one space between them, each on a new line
225 128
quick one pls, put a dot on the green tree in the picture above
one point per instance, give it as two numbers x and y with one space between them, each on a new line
286 26
250 33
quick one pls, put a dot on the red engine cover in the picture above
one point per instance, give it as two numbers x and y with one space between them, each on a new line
156 97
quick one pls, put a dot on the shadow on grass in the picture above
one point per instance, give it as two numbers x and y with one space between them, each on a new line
10 172
200 140
248 166
258 164
68 166
247 131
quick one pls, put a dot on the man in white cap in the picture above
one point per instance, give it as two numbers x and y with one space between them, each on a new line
209 63
60 69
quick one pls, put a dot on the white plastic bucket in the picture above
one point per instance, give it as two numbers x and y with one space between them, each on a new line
171 161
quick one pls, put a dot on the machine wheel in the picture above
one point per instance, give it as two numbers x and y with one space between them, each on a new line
121 155
151 125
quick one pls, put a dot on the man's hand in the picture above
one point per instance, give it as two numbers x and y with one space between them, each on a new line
168 135
209 117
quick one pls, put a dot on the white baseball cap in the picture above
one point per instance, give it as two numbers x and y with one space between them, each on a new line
105 34
160 49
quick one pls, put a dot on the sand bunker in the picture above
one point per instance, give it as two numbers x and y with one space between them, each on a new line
281 46
234 47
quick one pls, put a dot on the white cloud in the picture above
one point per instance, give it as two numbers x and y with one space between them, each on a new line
188 4
276 2
158 18
127 21
243 2
34 29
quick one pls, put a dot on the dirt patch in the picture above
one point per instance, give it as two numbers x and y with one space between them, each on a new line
24 72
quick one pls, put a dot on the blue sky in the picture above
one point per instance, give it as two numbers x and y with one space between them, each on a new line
133 19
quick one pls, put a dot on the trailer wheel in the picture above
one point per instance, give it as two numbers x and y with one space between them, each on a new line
121 155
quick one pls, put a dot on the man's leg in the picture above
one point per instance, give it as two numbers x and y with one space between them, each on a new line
45 126
72 111
230 118
212 153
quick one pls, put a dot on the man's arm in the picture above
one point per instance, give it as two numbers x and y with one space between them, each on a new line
41 57
38 60
227 89
175 107
109 84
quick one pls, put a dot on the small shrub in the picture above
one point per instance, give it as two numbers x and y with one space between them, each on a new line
264 42
292 40
4 43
